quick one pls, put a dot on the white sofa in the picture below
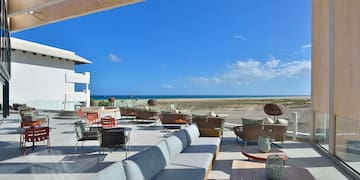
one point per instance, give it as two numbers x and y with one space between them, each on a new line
183 155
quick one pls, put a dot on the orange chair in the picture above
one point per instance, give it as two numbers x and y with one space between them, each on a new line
80 114
25 125
28 124
108 122
92 117
36 134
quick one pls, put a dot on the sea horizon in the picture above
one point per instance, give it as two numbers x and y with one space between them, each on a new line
102 97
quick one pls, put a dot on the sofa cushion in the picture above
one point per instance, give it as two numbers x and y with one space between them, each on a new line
192 132
268 120
197 160
114 171
251 121
178 172
282 122
174 145
207 141
204 145
183 138
164 150
145 165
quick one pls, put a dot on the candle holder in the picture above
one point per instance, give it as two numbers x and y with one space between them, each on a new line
274 168
264 144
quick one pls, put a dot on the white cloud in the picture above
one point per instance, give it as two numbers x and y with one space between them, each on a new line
241 37
167 86
243 72
306 46
114 58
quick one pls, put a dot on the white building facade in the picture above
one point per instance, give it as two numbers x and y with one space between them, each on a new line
44 77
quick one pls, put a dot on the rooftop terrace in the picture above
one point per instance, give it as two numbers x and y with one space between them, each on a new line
63 162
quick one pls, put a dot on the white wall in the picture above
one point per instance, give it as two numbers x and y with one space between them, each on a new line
39 81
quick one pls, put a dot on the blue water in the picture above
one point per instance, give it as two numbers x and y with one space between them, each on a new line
100 97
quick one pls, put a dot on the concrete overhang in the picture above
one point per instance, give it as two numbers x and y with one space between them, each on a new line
24 14
41 49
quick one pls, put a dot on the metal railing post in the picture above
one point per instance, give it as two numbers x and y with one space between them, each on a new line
294 117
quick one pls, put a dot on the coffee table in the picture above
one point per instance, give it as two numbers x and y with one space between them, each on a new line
249 170
252 152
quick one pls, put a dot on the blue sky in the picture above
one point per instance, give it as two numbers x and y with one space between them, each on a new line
188 47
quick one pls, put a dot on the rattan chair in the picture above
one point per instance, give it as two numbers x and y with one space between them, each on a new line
251 132
209 126
175 118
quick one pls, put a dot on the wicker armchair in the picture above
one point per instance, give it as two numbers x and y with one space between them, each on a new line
251 132
127 111
175 118
147 114
209 126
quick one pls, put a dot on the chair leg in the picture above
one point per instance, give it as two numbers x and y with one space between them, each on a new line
24 149
76 145
48 145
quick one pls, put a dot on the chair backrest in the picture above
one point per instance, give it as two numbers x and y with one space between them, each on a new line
108 122
28 114
175 118
35 134
113 137
80 113
216 122
79 129
28 124
92 117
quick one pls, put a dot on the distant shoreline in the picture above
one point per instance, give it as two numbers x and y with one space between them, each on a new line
197 97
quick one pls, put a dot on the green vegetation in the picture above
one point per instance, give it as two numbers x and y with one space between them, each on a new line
93 102
103 103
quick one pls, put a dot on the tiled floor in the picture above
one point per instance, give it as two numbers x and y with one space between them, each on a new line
63 162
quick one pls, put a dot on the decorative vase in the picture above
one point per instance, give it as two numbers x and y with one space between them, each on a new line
111 101
264 144
152 102
274 168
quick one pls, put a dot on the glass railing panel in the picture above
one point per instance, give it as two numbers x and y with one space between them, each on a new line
322 129
348 141
300 121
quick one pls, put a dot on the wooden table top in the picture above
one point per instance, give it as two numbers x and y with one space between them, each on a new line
252 152
245 170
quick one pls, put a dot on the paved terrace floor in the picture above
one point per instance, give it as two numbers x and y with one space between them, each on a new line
63 162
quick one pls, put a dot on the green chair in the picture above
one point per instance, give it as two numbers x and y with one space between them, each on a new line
83 135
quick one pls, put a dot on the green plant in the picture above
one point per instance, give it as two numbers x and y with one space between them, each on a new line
93 102
104 103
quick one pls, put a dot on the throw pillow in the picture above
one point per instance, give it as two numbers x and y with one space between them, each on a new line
147 108
251 121
211 114
268 120
282 122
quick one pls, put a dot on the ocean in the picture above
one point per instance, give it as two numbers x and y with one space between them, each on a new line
102 97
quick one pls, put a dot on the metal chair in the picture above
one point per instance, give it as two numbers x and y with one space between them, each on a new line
36 134
115 138
82 135
108 122
92 117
